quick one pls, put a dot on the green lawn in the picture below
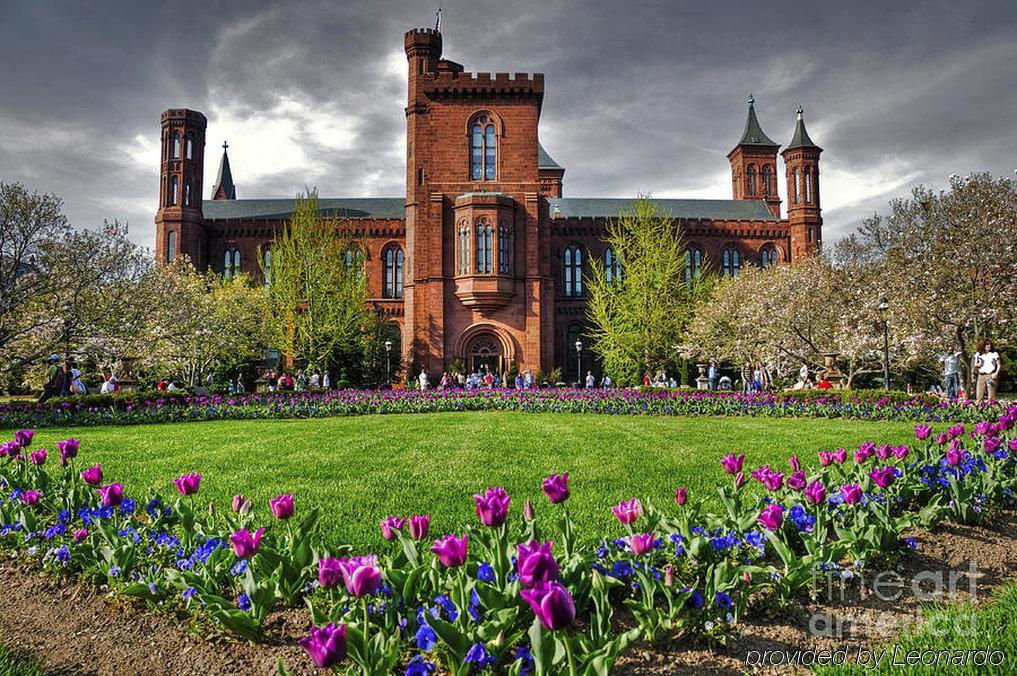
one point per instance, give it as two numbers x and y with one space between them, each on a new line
359 469
15 663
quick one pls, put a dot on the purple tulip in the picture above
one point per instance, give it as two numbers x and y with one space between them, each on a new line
840 455
536 563
111 495
942 438
772 517
955 431
92 476
773 481
922 432
528 512
38 457
795 465
551 604
739 479
883 476
815 493
24 438
31 497
492 506
282 506
825 458
955 455
642 543
361 575
245 545
669 576
681 496
80 535
852 493
188 484
796 481
556 488
628 511
450 550
68 450
238 503
326 646
389 526
733 463
419 524
330 572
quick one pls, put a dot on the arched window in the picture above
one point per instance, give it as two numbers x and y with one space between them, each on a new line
573 263
808 185
612 268
485 233
464 248
392 277
268 265
171 246
353 259
175 145
693 263
187 194
174 191
796 182
765 175
768 256
731 262
190 146
483 149
750 180
504 249
231 263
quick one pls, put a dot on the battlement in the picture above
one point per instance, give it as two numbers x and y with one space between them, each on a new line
183 115
453 83
422 39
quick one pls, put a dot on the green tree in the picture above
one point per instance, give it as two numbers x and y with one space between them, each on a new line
639 317
316 287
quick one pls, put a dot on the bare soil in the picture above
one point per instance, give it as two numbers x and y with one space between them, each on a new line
77 629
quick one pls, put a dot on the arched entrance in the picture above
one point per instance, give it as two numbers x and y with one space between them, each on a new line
484 353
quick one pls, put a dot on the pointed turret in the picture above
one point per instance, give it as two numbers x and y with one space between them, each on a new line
805 217
801 137
224 188
753 134
754 164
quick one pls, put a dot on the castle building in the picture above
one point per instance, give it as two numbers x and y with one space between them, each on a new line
484 258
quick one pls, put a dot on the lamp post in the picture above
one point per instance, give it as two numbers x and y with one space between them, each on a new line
579 361
388 361
884 305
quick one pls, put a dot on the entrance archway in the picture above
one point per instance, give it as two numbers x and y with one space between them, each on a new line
485 353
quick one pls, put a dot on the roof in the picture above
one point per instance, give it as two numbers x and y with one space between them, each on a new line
801 138
753 134
271 209
225 178
599 207
545 161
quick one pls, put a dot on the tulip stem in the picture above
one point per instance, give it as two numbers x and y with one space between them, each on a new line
568 653
367 643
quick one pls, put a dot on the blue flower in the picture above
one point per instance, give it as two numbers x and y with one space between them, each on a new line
485 572
189 592
63 556
802 519
54 530
244 602
448 605
114 571
426 638
64 517
523 654
238 568
756 539
694 601
418 666
478 655
722 600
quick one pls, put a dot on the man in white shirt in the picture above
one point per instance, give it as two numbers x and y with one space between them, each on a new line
987 364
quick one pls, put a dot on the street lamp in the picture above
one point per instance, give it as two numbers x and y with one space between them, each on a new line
884 305
388 361
579 361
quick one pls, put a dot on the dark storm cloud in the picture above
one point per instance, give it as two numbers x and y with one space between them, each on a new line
641 96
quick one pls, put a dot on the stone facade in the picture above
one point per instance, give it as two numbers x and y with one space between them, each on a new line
491 253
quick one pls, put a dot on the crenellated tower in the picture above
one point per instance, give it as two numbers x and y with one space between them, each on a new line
179 223
754 164
801 161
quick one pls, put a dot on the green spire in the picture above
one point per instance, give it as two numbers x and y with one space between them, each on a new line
224 180
754 135
801 138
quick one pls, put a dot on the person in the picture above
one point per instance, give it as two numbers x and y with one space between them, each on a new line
301 380
273 381
591 382
422 380
803 374
172 387
77 387
606 382
823 383
326 382
911 378
746 378
239 389
109 385
646 379
315 380
987 365
528 380
711 375
724 383
519 381
951 372
757 378
54 378
488 379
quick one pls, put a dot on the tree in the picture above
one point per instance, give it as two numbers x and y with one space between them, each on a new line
316 287
640 315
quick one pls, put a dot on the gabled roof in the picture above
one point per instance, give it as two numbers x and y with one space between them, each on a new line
224 180
545 161
720 210
273 209
801 138
753 134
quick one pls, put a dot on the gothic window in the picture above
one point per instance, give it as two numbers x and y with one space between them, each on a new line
731 262
187 194
392 278
464 248
573 264
796 182
171 246
693 263
231 263
175 145
768 256
808 185
190 146
504 249
485 233
174 191
353 259
573 333
765 179
483 149
750 180
268 265
612 268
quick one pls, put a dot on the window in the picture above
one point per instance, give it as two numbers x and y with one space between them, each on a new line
175 145
768 256
174 191
268 265
392 277
796 181
750 180
171 246
231 263
187 194
353 259
612 268
483 149
464 248
190 146
693 263
573 260
808 185
573 333
504 249
765 177
485 234
420 176
731 261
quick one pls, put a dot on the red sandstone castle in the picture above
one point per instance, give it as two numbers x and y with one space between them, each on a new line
484 258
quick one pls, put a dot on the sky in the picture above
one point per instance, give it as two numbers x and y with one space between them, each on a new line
640 96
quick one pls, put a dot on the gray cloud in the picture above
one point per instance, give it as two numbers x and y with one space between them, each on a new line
641 96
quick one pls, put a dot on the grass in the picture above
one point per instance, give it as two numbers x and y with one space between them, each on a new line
957 627
15 663
360 469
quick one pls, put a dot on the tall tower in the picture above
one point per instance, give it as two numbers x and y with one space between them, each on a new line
801 161
224 188
179 224
754 164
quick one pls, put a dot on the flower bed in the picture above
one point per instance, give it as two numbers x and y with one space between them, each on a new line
505 594
161 408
